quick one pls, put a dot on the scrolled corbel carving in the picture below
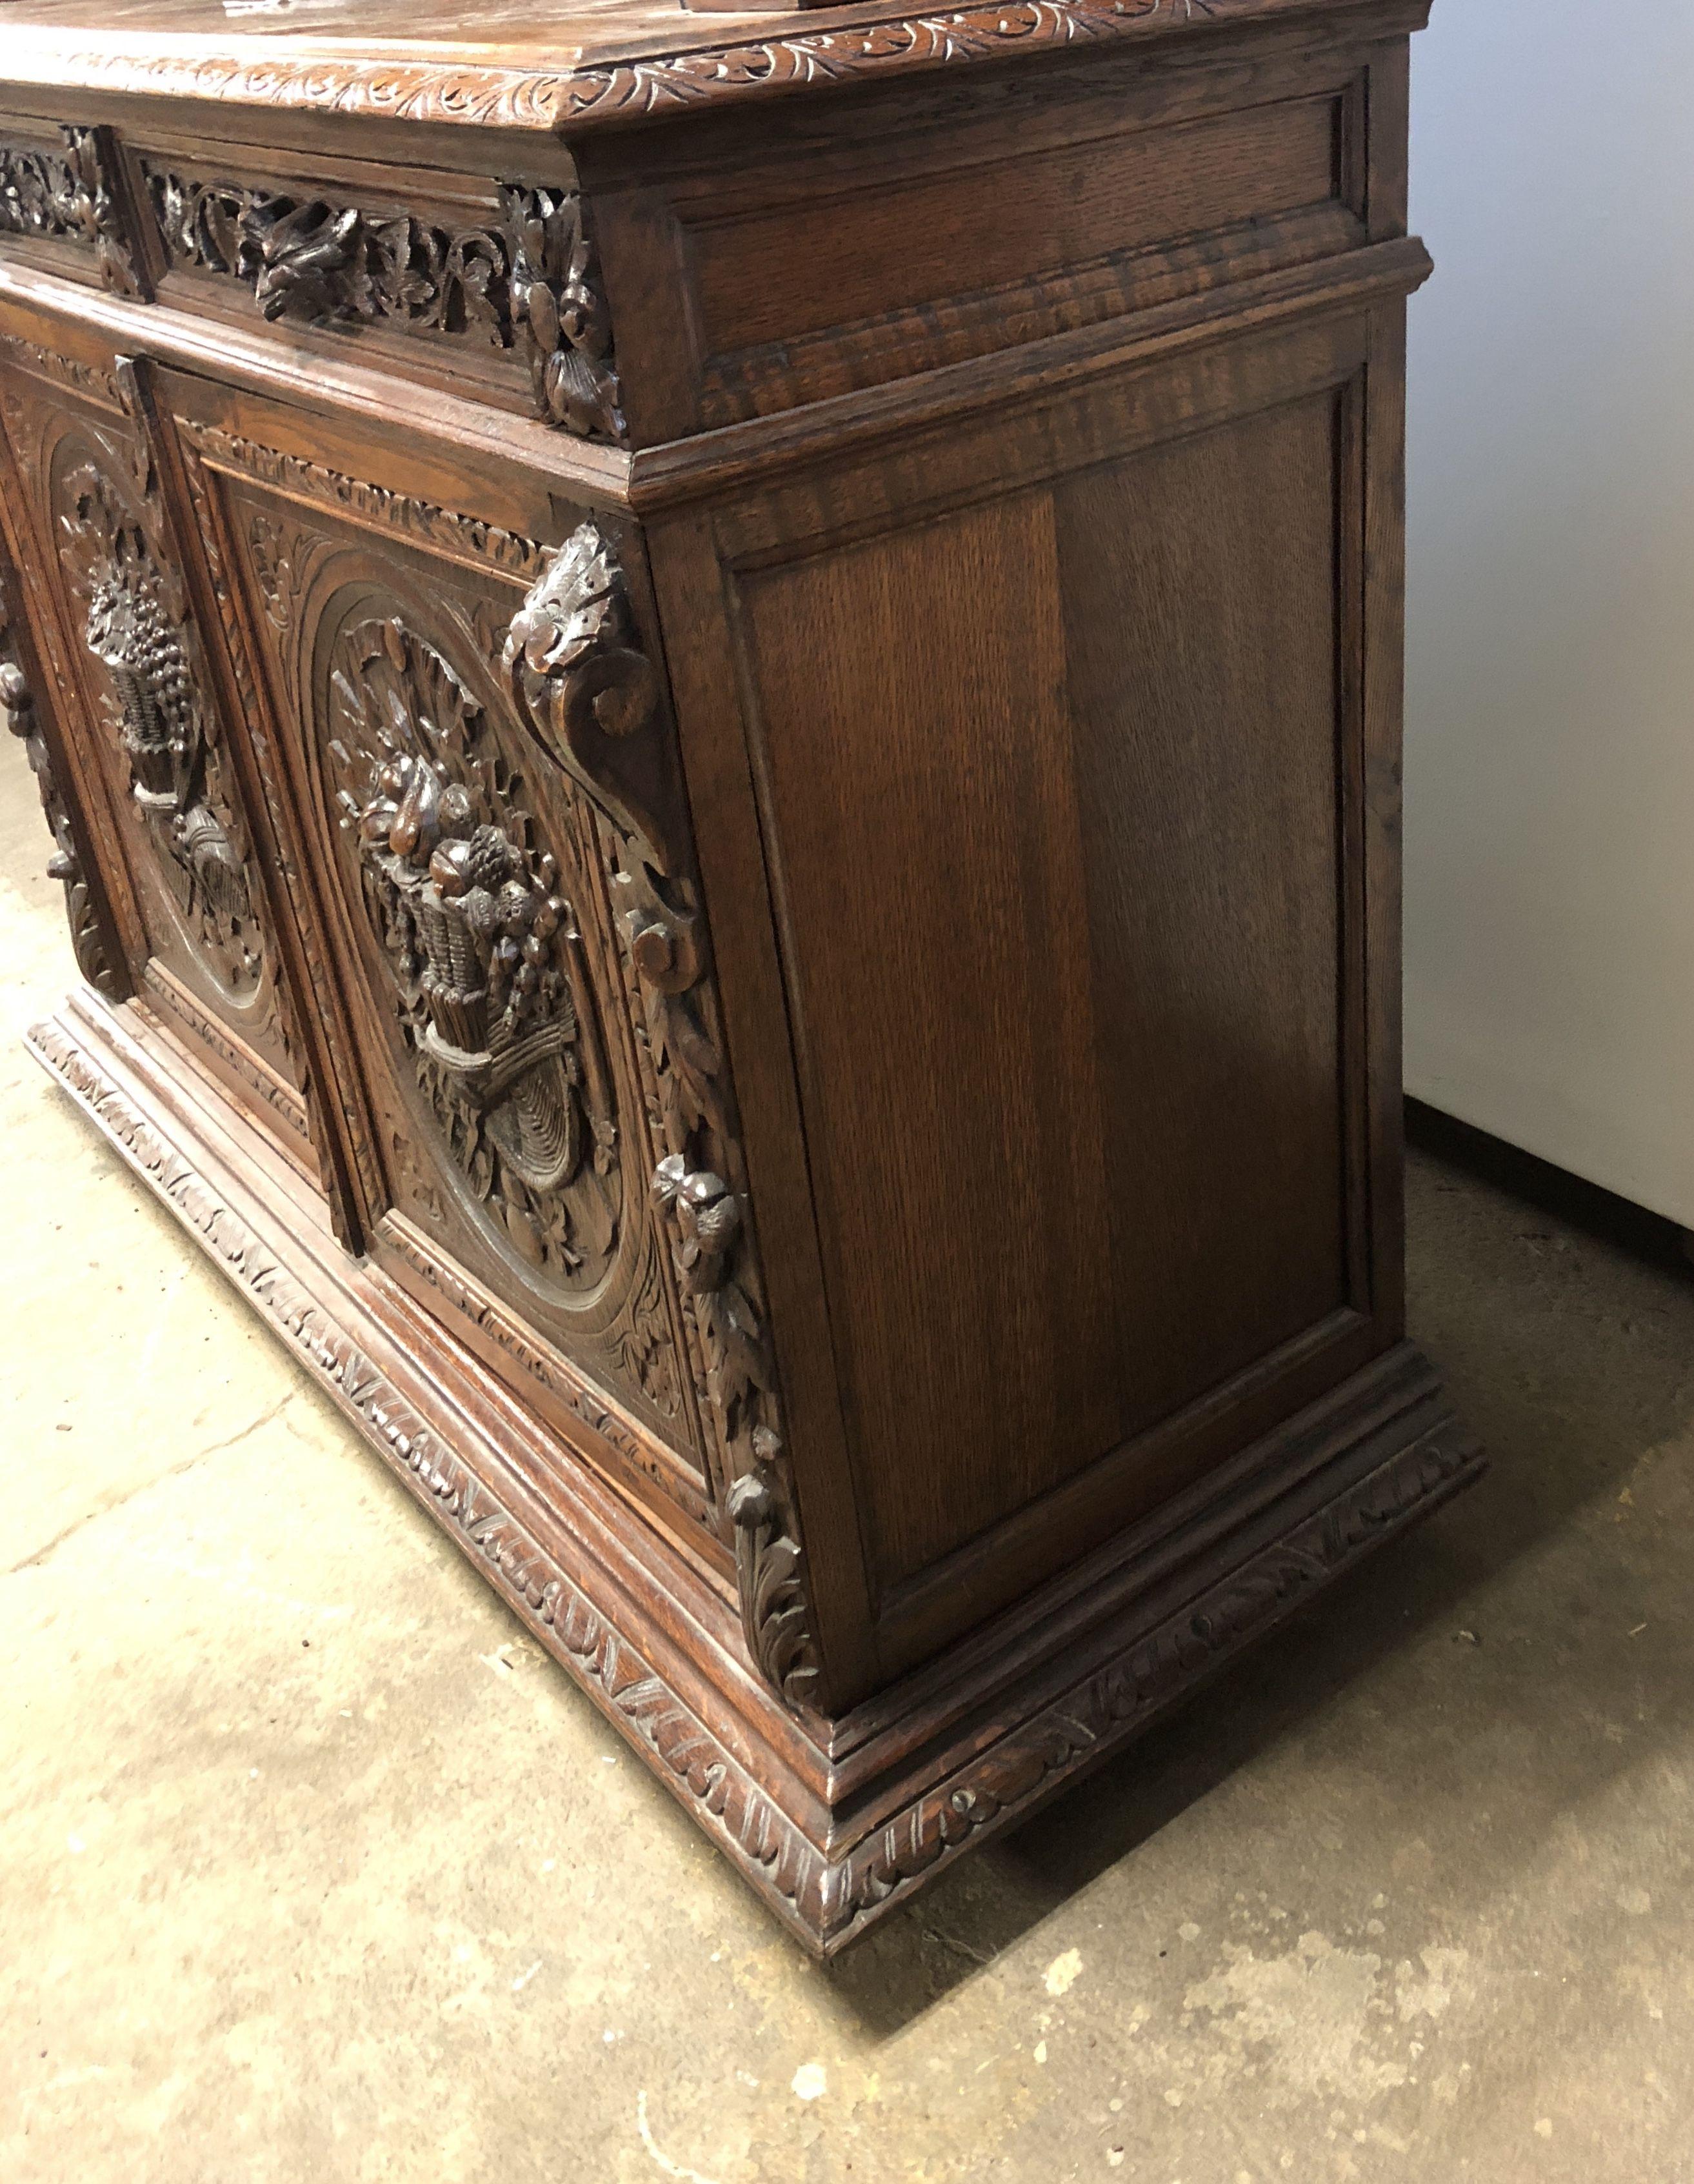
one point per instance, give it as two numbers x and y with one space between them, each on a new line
592 696
592 699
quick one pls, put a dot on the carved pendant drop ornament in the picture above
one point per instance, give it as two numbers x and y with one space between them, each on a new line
18 716
592 699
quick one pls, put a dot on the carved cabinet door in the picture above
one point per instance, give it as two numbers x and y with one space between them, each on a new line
480 929
152 763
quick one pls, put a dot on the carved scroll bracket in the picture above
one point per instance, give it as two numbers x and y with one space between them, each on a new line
592 697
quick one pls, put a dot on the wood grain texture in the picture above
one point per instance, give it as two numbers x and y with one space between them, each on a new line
725 689
1067 988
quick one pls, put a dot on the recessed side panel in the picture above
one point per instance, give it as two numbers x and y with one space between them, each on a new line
1057 837
1201 628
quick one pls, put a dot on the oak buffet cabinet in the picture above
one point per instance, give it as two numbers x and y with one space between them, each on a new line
719 694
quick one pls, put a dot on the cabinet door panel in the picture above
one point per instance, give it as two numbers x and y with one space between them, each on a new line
460 888
158 758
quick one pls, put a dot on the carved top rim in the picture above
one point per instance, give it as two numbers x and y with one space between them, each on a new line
558 70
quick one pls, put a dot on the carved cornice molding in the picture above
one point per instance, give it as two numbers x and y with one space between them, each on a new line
254 72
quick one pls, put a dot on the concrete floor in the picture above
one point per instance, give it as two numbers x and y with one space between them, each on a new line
314 1870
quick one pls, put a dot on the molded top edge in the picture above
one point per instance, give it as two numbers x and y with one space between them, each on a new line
538 68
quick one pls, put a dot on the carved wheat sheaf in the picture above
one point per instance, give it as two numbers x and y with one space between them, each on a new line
135 623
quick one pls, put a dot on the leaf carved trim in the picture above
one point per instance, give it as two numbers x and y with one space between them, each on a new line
608 92
63 371
65 196
464 538
1117 1701
527 278
592 699
827 1899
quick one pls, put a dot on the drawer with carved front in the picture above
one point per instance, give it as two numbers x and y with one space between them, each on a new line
489 286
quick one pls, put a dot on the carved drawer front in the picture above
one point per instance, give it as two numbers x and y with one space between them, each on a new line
514 970
156 771
62 205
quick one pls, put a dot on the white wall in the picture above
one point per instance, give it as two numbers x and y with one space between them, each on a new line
1550 691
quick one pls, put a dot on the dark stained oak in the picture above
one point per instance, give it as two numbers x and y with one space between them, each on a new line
718 692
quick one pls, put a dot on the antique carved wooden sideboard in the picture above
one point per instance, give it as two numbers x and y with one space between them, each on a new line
719 693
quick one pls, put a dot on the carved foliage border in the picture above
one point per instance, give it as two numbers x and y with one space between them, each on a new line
527 278
616 91
67 196
825 1901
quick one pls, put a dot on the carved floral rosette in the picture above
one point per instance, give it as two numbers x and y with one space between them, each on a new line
592 699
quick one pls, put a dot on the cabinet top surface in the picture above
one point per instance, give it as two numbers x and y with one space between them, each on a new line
530 66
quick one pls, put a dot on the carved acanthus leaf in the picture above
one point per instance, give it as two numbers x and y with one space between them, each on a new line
68 196
528 281
614 92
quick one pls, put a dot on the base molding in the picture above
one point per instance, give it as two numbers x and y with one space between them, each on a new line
833 1823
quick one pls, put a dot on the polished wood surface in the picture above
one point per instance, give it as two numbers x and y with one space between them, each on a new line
719 700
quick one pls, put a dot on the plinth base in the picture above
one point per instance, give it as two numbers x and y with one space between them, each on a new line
832 1823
